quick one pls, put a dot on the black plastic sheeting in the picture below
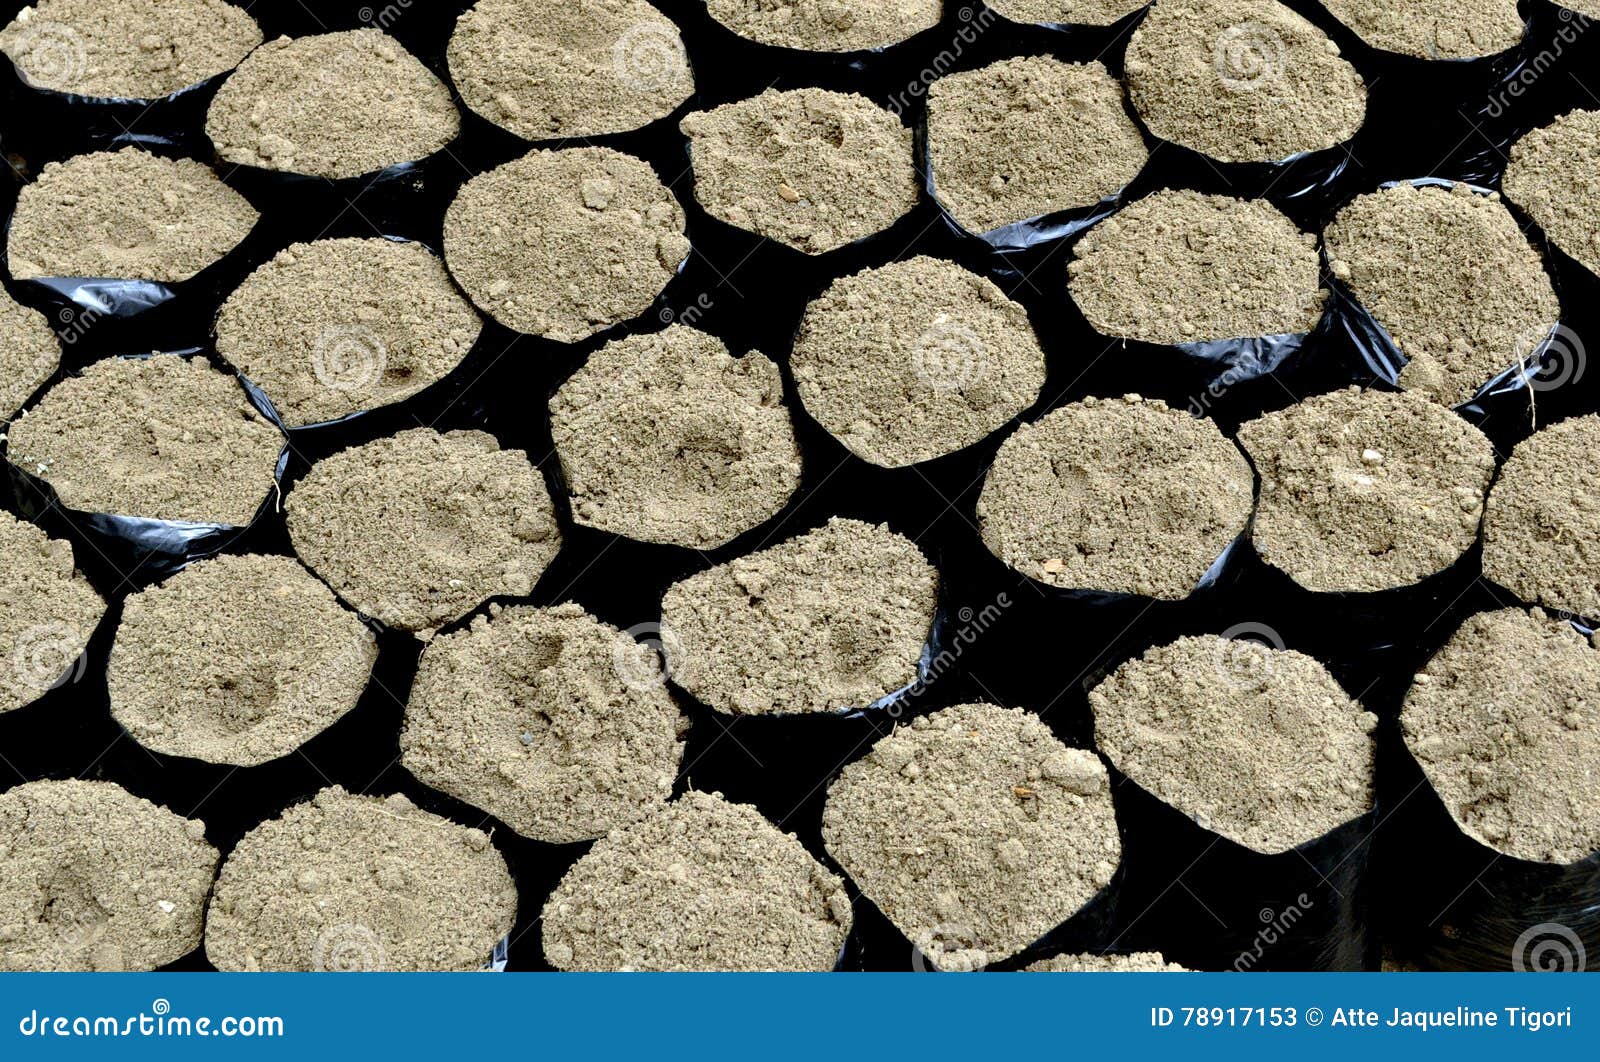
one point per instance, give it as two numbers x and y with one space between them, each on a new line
1402 883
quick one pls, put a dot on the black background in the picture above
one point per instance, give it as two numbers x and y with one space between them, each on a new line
1402 882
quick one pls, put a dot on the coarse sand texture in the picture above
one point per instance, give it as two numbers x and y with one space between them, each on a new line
1182 267
1066 12
1029 137
346 883
826 25
1138 962
93 878
546 68
975 831
557 724
47 613
366 105
830 620
1118 495
1367 491
1242 80
1541 534
1255 743
1552 177
236 660
128 49
335 327
162 437
1453 280
1427 29
563 244
915 360
419 528
125 215
668 438
812 169
29 354
1505 722
700 885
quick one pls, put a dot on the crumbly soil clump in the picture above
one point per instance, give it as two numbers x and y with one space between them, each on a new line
915 360
93 878
366 105
236 660
975 831
48 610
830 620
1119 495
1367 490
812 169
335 327
1137 962
418 528
827 25
1182 267
129 49
563 244
1255 743
1242 80
29 354
1552 177
1542 529
125 215
553 722
1066 12
1505 721
1453 280
668 438
702 885
1028 137
604 66
1426 29
346 883
162 437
